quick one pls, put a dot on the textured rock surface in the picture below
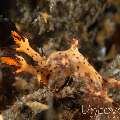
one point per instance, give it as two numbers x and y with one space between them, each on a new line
51 24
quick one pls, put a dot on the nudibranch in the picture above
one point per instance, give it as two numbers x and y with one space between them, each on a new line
57 66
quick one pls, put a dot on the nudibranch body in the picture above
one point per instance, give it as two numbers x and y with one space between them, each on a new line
71 63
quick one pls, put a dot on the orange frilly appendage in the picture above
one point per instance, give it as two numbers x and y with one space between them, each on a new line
24 46
8 61
19 63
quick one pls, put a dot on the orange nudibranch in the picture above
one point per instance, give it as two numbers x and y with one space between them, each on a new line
60 64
